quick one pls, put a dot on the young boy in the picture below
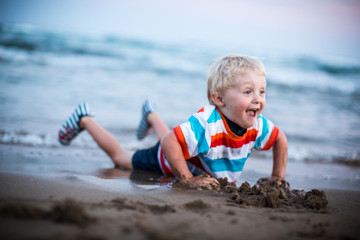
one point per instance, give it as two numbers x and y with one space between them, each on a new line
216 140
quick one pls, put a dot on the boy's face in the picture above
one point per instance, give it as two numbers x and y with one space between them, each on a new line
243 102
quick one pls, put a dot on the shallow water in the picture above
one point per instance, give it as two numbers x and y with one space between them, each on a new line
94 168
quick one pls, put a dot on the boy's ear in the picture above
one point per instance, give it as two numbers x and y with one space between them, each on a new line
217 99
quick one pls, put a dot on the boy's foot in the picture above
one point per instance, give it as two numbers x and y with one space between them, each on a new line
144 126
71 128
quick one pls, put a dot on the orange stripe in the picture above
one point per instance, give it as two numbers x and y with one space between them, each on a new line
272 139
223 139
181 139
201 110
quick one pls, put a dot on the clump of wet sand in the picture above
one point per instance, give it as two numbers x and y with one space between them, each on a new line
124 203
70 211
196 205
274 194
66 211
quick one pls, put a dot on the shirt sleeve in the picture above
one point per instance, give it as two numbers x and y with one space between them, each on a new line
181 139
192 137
267 134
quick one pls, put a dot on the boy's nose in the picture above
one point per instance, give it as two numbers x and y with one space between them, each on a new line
256 98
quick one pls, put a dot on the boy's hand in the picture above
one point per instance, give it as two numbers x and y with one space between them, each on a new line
274 181
278 181
202 182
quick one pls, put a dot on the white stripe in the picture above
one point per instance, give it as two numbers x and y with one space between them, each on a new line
210 129
71 124
82 109
86 109
159 161
75 121
232 176
166 163
230 153
77 111
271 129
190 139
76 118
208 110
259 126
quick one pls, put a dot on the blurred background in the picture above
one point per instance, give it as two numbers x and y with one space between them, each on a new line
114 54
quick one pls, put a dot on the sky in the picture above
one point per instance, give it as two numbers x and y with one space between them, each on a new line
327 26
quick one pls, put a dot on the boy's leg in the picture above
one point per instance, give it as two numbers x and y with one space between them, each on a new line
150 119
107 142
81 119
160 128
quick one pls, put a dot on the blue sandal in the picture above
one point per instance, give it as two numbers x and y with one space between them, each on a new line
71 128
144 126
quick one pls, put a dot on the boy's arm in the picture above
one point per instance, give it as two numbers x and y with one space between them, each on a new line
279 157
175 157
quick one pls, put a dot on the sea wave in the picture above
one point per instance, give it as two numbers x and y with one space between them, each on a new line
32 39
53 44
27 139
313 63
23 46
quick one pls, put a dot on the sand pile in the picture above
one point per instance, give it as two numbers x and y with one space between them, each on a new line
274 194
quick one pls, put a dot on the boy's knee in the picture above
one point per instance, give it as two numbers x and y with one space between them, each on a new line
123 159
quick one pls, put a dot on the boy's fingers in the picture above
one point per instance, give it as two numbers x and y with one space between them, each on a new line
214 186
213 183
204 183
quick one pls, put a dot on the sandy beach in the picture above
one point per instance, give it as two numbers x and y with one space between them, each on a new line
70 208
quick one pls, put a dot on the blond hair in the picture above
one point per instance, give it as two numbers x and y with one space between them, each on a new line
222 71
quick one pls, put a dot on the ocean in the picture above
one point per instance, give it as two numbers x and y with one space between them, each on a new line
44 73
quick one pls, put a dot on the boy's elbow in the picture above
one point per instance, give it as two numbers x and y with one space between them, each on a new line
165 140
170 146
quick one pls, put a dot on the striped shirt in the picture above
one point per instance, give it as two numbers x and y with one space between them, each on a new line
209 145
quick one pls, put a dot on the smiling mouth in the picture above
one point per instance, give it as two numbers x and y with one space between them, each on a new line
252 112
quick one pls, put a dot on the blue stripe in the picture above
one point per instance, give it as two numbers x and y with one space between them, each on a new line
81 112
214 116
85 110
265 131
199 131
73 122
77 113
69 123
224 164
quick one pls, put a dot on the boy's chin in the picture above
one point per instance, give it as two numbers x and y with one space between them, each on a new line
248 124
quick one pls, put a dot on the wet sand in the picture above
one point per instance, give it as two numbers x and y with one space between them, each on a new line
70 208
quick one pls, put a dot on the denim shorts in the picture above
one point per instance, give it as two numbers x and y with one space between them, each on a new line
147 159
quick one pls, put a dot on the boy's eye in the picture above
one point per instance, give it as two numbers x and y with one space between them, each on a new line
262 92
247 92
